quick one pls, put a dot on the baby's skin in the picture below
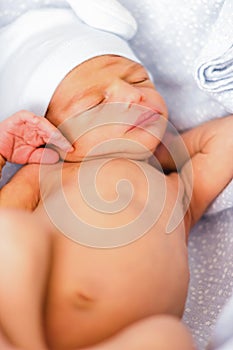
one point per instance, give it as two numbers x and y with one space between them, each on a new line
93 293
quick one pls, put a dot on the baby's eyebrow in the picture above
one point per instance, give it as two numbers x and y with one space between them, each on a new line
133 68
87 91
110 61
80 96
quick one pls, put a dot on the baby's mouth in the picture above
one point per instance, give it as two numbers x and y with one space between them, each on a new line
144 119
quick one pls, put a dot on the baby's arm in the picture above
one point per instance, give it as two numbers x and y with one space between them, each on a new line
211 149
21 138
210 167
22 192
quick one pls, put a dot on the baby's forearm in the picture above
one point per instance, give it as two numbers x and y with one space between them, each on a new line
204 157
22 191
210 168
176 150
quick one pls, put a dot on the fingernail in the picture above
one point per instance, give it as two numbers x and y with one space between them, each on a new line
71 149
67 147
35 119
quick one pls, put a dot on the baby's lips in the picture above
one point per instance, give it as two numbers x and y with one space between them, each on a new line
144 118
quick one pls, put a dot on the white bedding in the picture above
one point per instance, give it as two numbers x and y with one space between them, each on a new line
211 265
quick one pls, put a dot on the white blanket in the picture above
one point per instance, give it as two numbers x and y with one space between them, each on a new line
211 270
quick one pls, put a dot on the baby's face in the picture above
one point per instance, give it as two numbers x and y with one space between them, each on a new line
110 99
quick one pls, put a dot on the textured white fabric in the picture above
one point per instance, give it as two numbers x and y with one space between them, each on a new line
223 330
106 15
10 10
214 70
211 271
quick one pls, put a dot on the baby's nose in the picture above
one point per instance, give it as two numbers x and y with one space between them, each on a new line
122 91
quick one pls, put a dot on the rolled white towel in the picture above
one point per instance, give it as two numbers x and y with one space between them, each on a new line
214 67
217 75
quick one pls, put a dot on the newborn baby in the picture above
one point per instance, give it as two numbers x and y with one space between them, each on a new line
92 293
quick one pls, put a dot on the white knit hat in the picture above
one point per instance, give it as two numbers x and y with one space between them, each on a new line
108 15
40 48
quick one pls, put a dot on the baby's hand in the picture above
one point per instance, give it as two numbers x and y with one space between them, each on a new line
22 134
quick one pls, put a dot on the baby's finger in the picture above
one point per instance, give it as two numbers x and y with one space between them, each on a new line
44 156
57 139
22 117
52 134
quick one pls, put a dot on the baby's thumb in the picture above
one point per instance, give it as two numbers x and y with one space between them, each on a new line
44 156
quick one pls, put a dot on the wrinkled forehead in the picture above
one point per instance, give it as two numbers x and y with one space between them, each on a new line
111 62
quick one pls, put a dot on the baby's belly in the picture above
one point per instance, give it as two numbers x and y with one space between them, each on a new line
93 293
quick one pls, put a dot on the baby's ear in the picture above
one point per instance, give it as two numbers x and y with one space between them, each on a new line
109 16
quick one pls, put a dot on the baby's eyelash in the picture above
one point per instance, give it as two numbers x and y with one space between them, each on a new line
95 104
139 81
101 101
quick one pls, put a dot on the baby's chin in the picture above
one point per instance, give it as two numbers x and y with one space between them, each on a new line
77 157
111 148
